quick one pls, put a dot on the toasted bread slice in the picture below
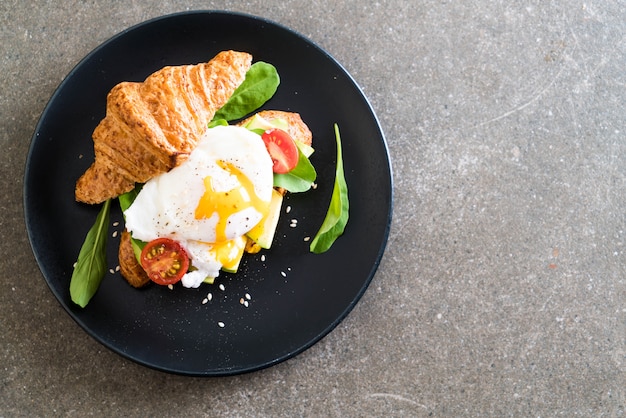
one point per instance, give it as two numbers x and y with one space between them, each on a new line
151 127
130 268
296 126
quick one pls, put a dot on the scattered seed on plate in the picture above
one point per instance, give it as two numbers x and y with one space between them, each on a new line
117 268
314 186
288 209
111 271
221 324
209 296
282 273
170 286
222 287
204 301
307 239
262 257
245 303
241 301
116 223
248 296
114 234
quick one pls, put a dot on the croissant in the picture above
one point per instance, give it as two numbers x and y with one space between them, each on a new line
150 127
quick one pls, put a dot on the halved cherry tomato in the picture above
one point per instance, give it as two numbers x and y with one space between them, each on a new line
164 260
282 149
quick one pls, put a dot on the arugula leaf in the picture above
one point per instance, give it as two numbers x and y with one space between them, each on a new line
258 87
337 216
90 267
300 178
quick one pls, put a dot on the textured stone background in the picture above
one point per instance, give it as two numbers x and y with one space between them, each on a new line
502 291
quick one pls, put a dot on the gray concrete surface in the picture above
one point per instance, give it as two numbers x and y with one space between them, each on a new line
502 291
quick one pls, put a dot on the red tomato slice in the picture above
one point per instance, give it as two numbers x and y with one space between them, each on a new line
164 260
282 149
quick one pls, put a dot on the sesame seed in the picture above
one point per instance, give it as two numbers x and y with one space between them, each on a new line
221 324
205 300
111 271
114 234
245 303
170 286
116 223
209 296
282 273
222 287
314 186
248 296
241 301
117 268
288 209
307 238
262 257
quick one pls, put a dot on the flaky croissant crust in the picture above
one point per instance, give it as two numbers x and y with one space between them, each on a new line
151 126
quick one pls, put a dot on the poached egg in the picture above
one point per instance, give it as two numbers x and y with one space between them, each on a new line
209 202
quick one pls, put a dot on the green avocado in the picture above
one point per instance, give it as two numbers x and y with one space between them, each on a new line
261 124
263 233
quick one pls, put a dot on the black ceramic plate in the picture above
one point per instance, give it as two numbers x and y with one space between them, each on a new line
296 297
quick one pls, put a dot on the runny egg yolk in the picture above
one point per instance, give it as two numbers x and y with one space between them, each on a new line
228 253
225 203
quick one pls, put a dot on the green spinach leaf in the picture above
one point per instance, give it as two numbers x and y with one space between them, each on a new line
258 87
337 216
90 267
300 178
218 122
126 200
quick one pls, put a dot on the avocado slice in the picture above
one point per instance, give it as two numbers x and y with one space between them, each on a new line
263 232
261 124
